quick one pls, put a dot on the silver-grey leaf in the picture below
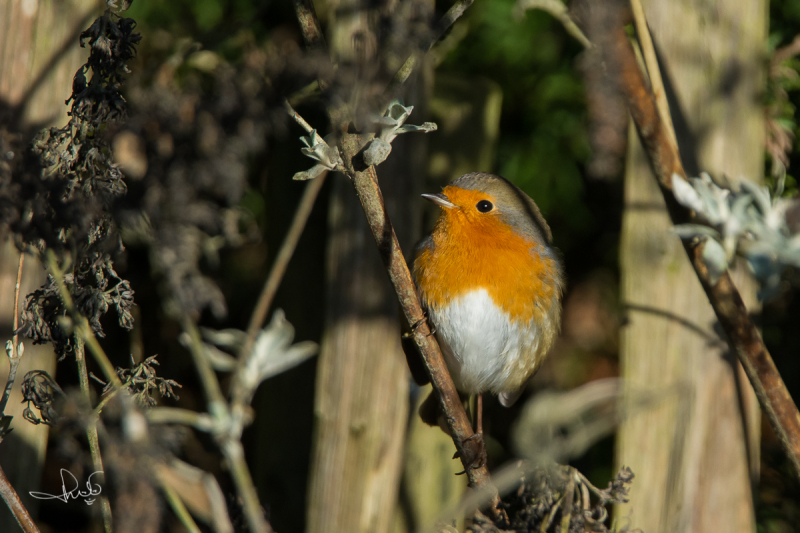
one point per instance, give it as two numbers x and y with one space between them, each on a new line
715 259
685 194
377 152
274 353
690 231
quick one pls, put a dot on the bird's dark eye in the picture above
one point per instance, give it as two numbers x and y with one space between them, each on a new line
484 206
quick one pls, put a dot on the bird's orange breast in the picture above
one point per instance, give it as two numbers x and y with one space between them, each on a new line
474 250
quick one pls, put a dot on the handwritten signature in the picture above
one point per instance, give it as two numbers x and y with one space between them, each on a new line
92 490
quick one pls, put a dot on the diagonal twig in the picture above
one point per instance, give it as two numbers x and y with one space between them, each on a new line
11 498
91 431
15 353
281 261
309 24
742 335
653 70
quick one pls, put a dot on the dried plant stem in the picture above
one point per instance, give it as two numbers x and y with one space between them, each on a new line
19 511
653 69
82 329
15 338
91 429
180 509
228 440
281 262
234 453
296 117
12 376
104 400
211 389
309 24
15 355
742 335
176 415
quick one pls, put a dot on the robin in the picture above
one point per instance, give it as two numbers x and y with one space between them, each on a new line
491 283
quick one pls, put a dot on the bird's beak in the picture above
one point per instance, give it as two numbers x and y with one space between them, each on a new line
440 200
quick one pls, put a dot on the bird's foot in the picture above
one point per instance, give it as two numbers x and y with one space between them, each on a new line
474 452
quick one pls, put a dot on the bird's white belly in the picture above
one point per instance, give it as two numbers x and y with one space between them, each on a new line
484 350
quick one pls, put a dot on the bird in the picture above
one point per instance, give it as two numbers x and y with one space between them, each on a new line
490 282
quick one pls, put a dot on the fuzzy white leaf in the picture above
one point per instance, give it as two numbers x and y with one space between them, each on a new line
274 352
690 231
426 127
715 259
685 194
310 174
377 152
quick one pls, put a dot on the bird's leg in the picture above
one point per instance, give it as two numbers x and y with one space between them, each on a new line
479 416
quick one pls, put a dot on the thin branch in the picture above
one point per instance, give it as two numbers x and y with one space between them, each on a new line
227 438
91 429
296 116
98 410
214 397
653 69
281 263
179 508
234 453
15 505
15 355
177 415
742 335
15 338
309 24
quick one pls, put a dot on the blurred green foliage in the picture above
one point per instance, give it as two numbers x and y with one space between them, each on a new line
782 96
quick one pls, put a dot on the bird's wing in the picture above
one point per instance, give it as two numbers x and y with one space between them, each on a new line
413 357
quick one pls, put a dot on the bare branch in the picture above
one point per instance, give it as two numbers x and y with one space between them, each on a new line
742 335
653 69
296 117
229 443
15 354
309 24
281 261
91 430
15 504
